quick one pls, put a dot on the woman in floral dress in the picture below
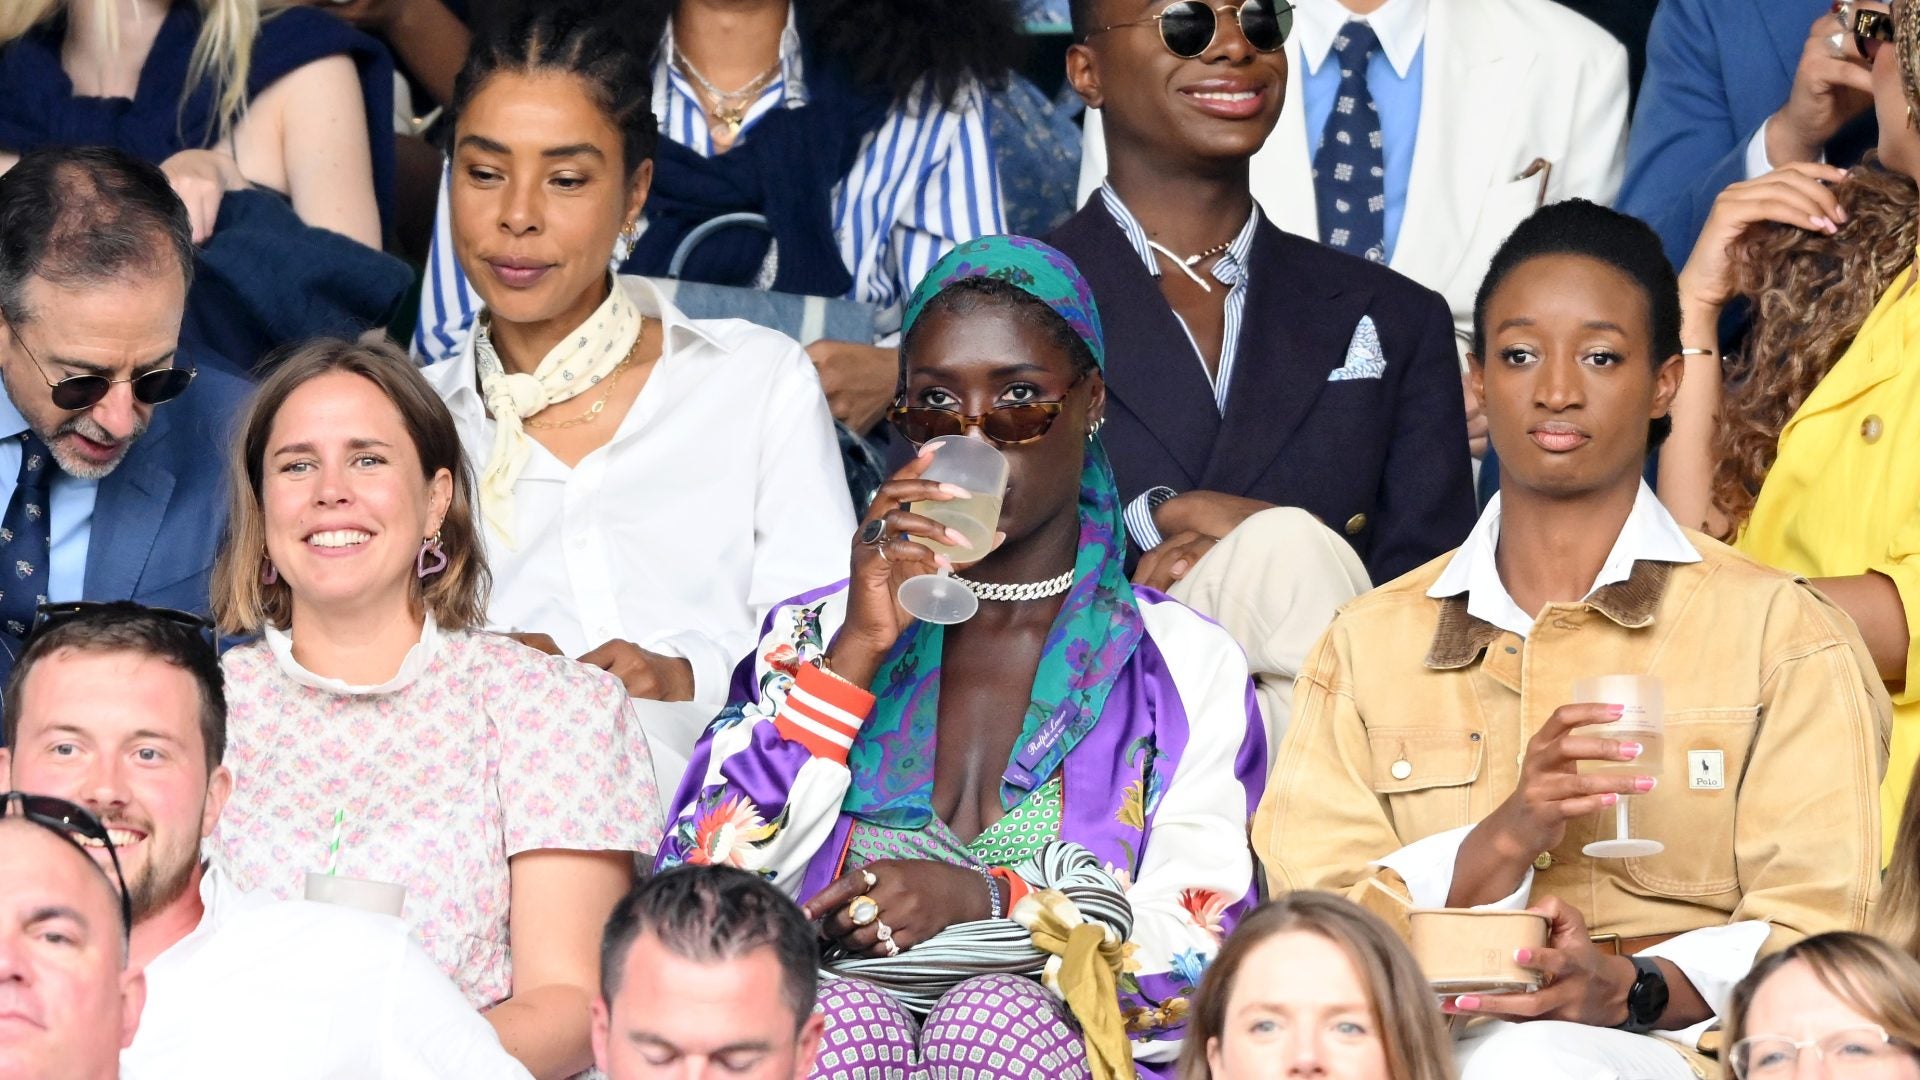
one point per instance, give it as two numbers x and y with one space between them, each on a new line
911 784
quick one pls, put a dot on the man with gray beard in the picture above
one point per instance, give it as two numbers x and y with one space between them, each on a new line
107 494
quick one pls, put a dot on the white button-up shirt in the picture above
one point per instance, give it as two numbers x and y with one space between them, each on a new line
720 495
294 989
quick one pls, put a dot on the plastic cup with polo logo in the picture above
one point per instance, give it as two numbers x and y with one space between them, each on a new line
1642 720
378 897
975 465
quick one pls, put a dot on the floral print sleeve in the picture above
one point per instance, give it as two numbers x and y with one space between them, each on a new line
765 784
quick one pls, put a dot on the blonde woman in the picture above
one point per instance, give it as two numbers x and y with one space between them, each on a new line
1312 985
1848 1000
221 94
373 730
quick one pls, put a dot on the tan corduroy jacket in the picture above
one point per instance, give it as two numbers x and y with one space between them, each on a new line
1411 717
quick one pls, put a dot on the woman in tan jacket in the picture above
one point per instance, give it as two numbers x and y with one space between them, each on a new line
1434 751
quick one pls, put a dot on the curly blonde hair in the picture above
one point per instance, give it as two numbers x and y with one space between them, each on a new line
1811 293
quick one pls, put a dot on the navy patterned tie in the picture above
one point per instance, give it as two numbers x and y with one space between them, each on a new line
1349 171
25 542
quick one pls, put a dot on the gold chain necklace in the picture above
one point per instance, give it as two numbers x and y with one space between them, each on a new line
728 107
600 403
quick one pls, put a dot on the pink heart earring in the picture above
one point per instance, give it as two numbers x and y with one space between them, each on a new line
430 547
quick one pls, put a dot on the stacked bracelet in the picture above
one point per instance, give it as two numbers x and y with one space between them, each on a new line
993 893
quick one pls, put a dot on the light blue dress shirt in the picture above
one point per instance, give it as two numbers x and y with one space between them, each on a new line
72 508
1396 97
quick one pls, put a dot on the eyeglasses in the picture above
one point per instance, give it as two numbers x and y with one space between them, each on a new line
70 820
1857 1051
1004 425
85 391
1188 27
1871 29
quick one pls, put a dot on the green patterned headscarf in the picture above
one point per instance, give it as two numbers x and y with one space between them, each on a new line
1092 637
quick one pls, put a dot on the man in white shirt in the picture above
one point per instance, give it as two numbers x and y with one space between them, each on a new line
69 1000
121 709
707 971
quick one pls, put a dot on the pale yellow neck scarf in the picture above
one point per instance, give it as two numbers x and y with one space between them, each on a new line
586 356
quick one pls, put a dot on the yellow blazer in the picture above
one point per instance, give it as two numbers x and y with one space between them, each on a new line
1844 496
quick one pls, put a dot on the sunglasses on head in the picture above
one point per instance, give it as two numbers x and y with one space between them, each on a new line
76 823
1871 29
1004 425
85 391
1188 27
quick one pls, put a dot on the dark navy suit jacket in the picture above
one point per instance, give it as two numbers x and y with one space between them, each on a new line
1716 69
1383 461
159 517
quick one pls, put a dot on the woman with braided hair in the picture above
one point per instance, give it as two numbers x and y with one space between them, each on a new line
1809 458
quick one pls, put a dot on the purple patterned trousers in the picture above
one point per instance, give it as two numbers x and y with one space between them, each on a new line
991 1027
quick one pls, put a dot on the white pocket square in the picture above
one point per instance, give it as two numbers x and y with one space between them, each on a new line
1365 360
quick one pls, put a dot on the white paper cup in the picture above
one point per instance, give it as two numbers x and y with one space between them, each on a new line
379 897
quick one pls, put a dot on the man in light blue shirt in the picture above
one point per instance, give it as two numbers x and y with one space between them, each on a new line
111 453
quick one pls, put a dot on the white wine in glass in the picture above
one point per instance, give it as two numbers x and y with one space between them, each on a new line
1642 720
972 464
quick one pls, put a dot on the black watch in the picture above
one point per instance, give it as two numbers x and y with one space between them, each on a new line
1646 998
1158 497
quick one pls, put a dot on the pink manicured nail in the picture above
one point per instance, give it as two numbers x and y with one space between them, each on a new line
1609 799
1632 750
1466 1002
955 538
1644 783
1179 568
1616 710
1523 956
956 491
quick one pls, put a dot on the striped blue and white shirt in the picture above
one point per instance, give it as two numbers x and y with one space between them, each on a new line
1231 270
923 181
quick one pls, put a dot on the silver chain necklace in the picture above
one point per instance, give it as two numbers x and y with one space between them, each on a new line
1032 590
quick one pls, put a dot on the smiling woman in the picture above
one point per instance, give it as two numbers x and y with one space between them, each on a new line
505 790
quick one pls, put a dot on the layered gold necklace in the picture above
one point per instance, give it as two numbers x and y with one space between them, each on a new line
727 109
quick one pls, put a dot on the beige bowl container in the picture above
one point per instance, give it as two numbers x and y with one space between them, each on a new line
1465 951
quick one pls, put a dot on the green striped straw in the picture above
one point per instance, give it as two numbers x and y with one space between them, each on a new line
333 849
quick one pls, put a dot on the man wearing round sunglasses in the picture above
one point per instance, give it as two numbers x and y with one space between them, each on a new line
1255 377
69 997
110 448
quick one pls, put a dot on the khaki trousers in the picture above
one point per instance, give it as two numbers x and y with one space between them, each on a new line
1275 583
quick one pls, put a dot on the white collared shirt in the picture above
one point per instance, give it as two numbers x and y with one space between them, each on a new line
1649 533
1713 958
720 495
294 989
1401 26
280 643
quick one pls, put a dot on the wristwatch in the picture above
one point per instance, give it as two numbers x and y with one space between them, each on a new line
1646 998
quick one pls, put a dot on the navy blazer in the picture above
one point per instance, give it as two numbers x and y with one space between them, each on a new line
1383 461
1716 69
160 515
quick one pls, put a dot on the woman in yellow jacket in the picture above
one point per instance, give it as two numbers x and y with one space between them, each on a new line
1812 461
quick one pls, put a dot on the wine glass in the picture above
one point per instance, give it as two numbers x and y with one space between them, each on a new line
975 465
1643 720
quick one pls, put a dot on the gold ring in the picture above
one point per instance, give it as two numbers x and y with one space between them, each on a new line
863 909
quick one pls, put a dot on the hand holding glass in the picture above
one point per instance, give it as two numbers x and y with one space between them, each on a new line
975 465
1642 720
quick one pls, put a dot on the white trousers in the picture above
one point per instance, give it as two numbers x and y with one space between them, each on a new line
1556 1050
1275 583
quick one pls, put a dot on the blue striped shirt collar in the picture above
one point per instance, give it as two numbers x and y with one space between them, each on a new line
1229 269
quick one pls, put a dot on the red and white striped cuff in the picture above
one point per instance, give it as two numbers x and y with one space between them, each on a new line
823 713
